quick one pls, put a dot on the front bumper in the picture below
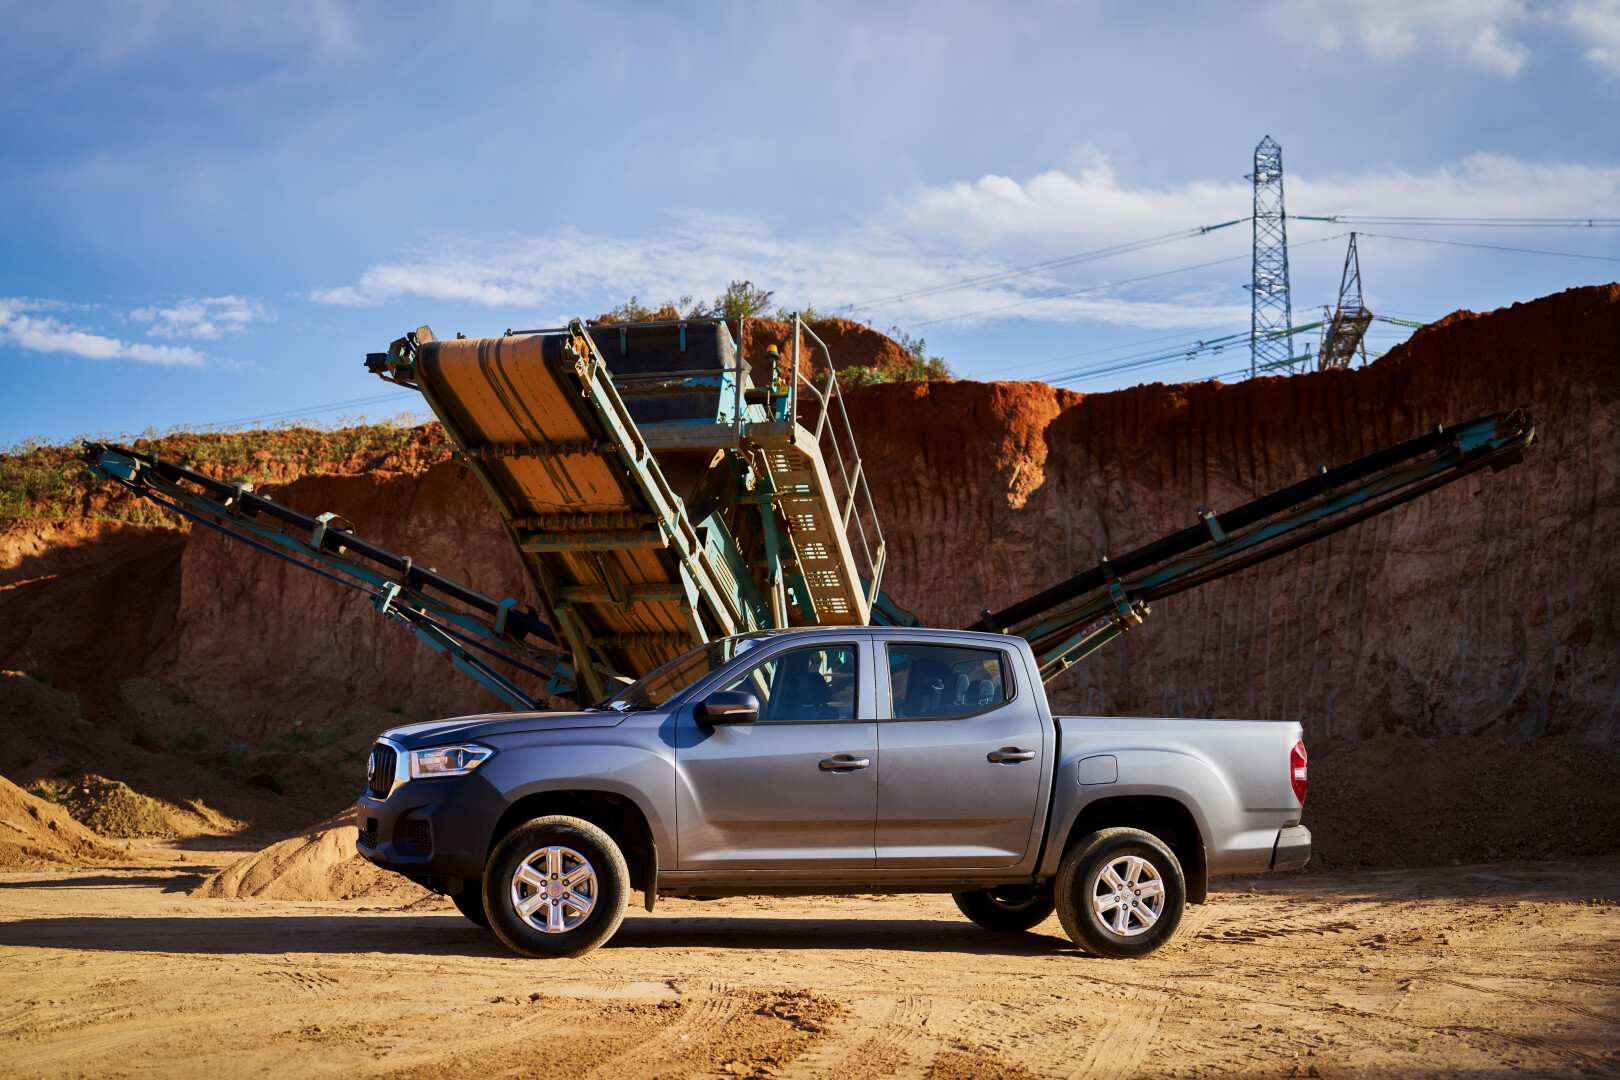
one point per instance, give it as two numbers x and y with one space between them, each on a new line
1293 848
430 828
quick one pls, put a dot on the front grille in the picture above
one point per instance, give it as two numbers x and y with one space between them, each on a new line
380 771
368 835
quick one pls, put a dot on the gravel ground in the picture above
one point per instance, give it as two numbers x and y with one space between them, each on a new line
1507 969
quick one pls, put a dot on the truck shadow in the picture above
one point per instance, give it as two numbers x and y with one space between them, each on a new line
449 934
166 882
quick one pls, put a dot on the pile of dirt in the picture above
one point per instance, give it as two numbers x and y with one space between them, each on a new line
113 809
1396 802
134 783
318 864
34 833
850 344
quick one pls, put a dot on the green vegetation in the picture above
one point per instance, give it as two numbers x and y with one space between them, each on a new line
633 310
39 479
808 314
741 300
917 367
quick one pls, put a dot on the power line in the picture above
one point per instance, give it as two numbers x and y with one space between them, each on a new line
1201 230
312 410
1092 352
1468 222
1491 247
1076 292
1155 357
1110 284
1050 264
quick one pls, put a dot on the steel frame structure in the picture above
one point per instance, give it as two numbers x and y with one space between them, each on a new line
1271 344
1345 328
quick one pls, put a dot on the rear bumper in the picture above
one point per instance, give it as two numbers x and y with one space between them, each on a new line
1293 848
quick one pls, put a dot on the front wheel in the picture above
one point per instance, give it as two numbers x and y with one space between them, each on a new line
1120 893
470 901
555 887
1009 910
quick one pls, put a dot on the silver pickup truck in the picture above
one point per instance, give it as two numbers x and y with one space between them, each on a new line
843 760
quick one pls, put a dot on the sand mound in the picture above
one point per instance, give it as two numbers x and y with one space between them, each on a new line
319 864
35 833
112 808
1393 802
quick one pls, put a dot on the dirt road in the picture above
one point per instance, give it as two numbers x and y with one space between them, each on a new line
1467 971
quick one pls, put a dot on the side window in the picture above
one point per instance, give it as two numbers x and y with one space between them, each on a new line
815 683
939 681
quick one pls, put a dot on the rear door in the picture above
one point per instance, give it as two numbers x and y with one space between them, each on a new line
797 790
962 748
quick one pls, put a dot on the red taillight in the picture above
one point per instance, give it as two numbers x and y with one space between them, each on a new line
1296 771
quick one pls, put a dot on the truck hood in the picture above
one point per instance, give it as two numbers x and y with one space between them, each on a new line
464 728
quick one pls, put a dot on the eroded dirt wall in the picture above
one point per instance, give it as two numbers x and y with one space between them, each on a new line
263 644
1486 608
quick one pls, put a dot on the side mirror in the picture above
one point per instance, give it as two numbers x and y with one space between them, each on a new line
728 707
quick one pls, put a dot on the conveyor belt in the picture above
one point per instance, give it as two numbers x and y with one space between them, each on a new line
604 537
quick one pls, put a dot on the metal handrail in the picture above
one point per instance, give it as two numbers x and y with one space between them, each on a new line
857 494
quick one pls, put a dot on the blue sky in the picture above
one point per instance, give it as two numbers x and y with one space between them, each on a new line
211 212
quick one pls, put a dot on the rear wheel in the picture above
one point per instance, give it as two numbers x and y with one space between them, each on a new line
470 901
1120 893
1009 909
555 887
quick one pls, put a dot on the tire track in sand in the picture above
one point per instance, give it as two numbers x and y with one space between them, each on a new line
1118 1050
884 1038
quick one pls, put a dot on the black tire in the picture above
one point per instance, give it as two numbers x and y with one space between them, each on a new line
1008 910
528 844
470 901
1077 883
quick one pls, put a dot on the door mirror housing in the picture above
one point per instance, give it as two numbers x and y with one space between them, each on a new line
728 707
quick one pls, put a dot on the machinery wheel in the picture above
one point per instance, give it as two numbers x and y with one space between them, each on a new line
555 887
1120 893
1010 909
470 901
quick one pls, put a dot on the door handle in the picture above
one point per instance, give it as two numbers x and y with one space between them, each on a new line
844 763
1007 755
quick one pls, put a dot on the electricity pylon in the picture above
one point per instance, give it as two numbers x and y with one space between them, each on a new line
1344 330
1271 314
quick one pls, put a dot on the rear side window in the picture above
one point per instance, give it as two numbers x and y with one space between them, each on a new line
816 683
940 681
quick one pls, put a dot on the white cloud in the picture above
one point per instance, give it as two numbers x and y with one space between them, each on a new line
1597 24
205 317
965 230
1391 29
1489 51
22 325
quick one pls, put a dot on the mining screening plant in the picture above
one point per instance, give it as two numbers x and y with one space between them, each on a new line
757 715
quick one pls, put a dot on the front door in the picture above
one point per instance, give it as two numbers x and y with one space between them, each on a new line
798 789
962 751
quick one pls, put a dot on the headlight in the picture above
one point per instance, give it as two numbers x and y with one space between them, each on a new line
448 760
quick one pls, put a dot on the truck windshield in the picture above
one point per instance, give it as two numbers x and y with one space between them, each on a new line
669 681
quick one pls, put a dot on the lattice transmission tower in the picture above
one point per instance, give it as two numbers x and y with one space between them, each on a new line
1344 330
1271 347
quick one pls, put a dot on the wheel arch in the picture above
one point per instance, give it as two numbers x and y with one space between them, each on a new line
614 813
1159 815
